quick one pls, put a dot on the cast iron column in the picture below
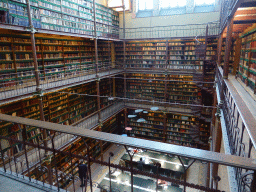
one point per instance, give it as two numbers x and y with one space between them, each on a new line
38 88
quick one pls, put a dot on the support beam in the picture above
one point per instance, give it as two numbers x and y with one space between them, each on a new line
228 48
219 49
237 55
38 88
123 19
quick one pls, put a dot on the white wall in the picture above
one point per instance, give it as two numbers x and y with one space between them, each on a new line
192 18
131 21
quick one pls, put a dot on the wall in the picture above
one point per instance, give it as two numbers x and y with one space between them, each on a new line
131 21
194 18
102 2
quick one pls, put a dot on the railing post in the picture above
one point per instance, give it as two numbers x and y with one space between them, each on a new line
110 155
2 155
253 183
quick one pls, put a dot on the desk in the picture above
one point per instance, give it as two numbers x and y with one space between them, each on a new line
171 163
140 184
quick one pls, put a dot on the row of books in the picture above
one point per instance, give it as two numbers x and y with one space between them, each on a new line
50 13
15 20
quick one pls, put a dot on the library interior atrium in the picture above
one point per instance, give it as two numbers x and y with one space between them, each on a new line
128 95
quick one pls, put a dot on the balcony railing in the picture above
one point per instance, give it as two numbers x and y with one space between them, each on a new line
49 168
228 7
22 83
238 124
172 31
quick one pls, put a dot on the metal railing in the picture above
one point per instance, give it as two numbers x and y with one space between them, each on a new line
170 67
22 83
238 125
63 173
172 31
228 7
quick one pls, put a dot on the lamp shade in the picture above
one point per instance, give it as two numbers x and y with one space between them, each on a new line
138 110
141 120
128 128
132 116
154 108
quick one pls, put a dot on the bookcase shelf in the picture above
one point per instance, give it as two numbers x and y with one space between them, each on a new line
145 87
247 65
67 164
177 128
58 107
57 57
162 54
232 53
72 16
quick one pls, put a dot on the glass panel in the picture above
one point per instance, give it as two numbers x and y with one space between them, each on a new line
204 2
172 4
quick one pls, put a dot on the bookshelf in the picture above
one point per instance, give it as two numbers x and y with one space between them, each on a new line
152 87
247 65
106 89
160 54
232 54
70 16
58 107
58 58
175 132
66 164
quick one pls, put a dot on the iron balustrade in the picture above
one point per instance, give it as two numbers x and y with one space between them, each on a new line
239 125
170 67
228 8
171 31
48 170
17 84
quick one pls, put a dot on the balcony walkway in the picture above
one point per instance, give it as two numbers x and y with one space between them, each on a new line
11 183
51 85
245 93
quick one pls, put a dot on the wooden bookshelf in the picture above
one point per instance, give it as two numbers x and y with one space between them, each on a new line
231 56
71 16
58 107
152 87
160 54
176 130
66 164
58 58
247 65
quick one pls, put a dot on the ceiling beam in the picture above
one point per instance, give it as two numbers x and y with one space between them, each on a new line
245 21
248 4
245 11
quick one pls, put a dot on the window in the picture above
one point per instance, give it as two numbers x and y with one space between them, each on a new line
204 2
116 3
172 3
204 6
145 5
